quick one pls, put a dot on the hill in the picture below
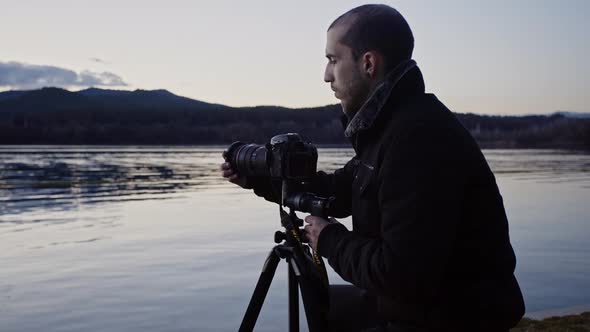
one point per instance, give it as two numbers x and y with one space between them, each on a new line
97 116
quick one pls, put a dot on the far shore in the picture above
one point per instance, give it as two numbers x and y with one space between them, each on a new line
569 322
573 310
225 145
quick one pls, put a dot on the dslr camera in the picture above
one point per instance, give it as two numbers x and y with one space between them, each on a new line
287 158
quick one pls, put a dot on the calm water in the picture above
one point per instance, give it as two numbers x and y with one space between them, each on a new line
151 239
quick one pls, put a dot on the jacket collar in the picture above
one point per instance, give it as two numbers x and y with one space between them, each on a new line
393 87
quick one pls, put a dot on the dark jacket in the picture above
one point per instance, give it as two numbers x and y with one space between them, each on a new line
430 235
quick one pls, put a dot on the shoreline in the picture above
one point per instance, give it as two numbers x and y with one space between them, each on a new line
224 146
572 322
558 312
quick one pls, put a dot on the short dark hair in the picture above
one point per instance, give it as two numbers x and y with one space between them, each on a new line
377 28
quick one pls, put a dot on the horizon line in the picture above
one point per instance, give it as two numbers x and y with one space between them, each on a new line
556 112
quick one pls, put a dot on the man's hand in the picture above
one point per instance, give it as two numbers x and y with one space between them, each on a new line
312 231
230 174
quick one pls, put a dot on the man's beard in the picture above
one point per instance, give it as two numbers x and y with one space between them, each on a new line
357 100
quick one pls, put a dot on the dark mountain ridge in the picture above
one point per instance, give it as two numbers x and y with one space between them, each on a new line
99 116
52 98
47 99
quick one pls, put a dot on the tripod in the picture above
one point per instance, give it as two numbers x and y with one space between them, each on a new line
304 270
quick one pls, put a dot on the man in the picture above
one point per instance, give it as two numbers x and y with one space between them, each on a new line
429 246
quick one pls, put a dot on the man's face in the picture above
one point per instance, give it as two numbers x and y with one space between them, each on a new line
351 85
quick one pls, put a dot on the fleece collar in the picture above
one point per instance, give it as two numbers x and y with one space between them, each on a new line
366 115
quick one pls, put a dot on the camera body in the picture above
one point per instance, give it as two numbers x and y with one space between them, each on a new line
286 157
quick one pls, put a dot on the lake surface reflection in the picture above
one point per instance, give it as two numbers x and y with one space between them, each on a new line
151 239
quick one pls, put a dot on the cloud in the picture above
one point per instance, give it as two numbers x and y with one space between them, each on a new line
17 75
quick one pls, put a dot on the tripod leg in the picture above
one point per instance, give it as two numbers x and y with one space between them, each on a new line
314 292
317 315
262 286
293 299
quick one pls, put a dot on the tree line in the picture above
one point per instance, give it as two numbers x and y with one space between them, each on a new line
66 122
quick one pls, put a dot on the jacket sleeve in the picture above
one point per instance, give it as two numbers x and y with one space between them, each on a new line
337 185
419 194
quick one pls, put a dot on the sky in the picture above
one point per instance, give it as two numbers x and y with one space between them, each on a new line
484 57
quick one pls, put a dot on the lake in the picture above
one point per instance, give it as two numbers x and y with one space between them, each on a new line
152 239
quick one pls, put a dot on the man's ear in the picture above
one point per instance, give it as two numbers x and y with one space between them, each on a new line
372 63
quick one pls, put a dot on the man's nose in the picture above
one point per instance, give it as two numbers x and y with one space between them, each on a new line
328 77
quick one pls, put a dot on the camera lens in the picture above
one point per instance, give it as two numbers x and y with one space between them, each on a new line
248 159
308 202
